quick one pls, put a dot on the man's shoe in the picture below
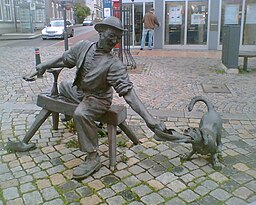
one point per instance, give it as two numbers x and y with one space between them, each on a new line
141 49
19 146
149 48
86 168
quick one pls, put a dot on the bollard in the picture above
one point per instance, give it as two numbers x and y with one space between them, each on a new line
38 59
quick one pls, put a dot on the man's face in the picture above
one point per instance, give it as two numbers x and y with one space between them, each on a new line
108 39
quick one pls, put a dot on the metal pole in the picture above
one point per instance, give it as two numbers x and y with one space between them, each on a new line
38 60
133 25
65 25
120 53
30 19
48 5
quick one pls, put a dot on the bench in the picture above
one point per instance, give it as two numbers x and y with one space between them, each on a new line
246 55
51 104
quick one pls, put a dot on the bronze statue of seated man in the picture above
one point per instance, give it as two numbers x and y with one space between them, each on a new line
98 72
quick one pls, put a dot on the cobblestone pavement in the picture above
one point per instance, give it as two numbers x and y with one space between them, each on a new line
149 173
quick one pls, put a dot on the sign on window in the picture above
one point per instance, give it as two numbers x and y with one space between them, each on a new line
231 14
175 15
251 14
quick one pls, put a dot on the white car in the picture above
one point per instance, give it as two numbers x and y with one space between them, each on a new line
56 30
87 22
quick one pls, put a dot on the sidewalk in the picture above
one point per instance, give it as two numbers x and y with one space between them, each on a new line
146 174
20 36
23 36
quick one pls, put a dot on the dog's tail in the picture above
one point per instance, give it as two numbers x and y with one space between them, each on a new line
194 100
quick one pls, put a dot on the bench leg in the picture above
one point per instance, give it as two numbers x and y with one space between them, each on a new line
129 133
112 145
245 63
55 120
40 118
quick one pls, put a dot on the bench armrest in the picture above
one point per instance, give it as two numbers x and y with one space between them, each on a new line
55 72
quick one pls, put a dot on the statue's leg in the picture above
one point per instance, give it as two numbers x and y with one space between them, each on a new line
215 162
86 129
71 94
187 156
219 143
87 112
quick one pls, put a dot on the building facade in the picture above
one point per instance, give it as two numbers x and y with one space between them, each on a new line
186 24
24 16
98 10
21 15
195 24
95 7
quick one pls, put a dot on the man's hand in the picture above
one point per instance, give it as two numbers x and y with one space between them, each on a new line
156 124
161 126
40 69
30 77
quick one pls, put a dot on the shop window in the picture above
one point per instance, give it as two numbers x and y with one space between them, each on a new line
17 10
1 12
249 33
231 13
197 22
8 12
174 22
138 26
127 22
39 17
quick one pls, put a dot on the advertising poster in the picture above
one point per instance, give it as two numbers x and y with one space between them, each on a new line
197 19
175 15
107 12
231 14
107 8
251 14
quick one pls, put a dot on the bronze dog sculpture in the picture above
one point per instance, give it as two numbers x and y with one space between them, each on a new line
205 140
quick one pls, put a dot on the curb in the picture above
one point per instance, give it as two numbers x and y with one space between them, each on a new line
18 36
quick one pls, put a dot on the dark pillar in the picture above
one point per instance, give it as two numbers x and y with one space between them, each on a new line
159 32
214 18
65 24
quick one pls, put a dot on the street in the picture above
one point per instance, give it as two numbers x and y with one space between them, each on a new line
81 32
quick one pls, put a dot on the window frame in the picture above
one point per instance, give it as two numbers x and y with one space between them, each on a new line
8 10
1 12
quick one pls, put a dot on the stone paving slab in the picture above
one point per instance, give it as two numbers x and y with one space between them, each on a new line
148 173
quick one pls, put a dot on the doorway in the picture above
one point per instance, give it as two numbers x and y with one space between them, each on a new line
138 11
186 22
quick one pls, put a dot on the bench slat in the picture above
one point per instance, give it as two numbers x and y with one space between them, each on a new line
247 54
114 116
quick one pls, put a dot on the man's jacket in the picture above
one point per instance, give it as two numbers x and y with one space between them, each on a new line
150 21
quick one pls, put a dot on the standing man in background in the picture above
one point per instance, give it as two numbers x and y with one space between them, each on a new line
150 22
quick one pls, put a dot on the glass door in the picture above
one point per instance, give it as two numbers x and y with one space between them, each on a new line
186 22
231 13
127 20
197 22
249 33
174 22
138 10
138 25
